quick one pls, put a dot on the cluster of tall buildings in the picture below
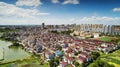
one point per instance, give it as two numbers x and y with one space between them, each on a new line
95 28
98 28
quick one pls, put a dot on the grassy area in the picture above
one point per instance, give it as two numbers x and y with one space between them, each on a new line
28 62
31 61
107 39
112 58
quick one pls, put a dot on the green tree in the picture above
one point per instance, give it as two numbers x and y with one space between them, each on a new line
95 55
76 64
54 63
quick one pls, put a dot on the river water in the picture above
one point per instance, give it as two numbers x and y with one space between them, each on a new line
11 54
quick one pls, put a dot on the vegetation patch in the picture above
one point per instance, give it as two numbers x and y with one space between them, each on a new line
112 59
28 62
107 39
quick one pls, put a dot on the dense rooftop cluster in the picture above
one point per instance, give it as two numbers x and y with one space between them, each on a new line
50 45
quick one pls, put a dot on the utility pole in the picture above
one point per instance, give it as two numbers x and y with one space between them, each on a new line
3 53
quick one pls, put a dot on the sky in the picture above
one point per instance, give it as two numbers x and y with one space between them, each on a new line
35 12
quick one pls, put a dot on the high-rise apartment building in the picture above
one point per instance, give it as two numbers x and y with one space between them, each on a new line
115 29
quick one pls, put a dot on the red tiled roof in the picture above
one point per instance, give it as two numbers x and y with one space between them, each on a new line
71 59
82 58
64 63
71 65
69 50
87 50
47 52
83 53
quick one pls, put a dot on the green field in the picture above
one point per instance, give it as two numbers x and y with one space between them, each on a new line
113 58
29 62
107 39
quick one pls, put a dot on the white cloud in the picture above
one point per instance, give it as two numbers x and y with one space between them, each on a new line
12 10
55 1
85 20
28 3
71 2
116 9
99 20
11 14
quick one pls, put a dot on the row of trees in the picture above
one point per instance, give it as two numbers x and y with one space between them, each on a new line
62 32
7 30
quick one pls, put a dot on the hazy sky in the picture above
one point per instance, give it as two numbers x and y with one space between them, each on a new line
17 12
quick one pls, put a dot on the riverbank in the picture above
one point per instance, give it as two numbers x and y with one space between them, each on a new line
11 54
17 57
28 62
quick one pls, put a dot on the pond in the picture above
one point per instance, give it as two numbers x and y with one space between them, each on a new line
11 54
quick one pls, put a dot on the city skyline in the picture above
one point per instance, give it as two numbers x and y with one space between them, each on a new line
22 12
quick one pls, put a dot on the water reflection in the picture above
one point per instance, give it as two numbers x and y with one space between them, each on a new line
13 53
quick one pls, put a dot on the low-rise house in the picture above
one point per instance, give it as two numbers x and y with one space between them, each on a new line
81 59
83 54
51 56
88 52
48 55
52 50
71 54
70 60
104 45
59 53
38 48
65 45
63 64
89 58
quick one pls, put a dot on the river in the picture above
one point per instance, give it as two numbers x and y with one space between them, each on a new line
11 54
